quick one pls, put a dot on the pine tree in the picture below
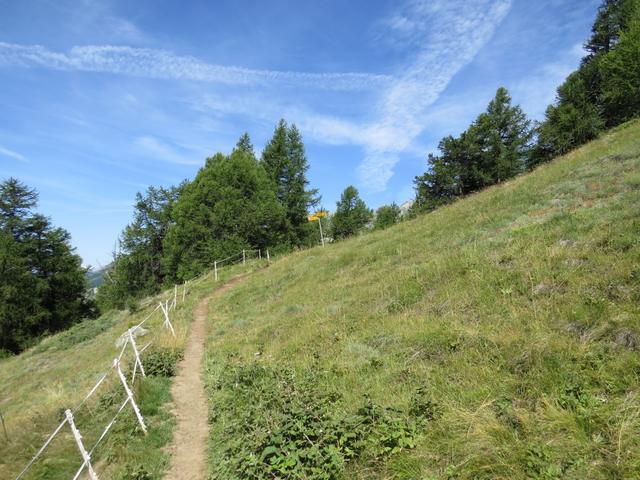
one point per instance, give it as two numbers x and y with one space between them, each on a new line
493 149
500 140
137 270
351 216
386 216
285 161
42 282
610 22
620 71
603 92
574 120
230 205
244 145
298 197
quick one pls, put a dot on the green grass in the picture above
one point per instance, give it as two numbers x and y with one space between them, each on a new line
38 385
514 315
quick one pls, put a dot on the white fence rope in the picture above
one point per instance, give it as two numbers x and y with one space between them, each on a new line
242 256
42 449
133 403
93 390
102 378
104 434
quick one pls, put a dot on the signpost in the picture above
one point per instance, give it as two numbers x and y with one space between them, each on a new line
318 217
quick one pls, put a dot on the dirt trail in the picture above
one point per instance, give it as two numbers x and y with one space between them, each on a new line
189 447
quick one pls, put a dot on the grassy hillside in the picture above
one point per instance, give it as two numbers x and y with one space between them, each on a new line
38 385
495 338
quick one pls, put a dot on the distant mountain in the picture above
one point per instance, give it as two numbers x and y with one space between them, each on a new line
95 278
406 206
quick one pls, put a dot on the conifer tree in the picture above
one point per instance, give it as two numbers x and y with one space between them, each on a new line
42 282
285 161
244 145
351 215
494 148
230 205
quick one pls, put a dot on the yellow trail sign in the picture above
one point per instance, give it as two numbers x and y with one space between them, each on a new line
317 216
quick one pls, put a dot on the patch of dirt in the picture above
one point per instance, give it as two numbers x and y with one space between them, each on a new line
189 446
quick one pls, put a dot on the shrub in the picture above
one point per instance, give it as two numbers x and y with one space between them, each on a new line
161 361
280 423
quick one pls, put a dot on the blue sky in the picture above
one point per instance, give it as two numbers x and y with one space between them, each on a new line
101 99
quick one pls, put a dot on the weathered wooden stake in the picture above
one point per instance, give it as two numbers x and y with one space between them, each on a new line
244 258
268 258
215 269
4 428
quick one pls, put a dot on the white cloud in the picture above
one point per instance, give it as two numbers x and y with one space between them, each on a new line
449 34
11 154
164 152
443 37
161 64
539 88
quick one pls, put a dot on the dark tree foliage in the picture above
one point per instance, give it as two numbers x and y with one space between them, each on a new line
386 216
620 71
574 120
603 92
613 17
351 216
235 202
244 145
42 282
493 149
285 161
137 269
230 205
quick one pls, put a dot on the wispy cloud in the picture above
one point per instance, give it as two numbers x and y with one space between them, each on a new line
11 154
441 36
157 149
161 64
539 88
448 36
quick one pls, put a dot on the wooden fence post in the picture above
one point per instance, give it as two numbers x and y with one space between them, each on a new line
4 428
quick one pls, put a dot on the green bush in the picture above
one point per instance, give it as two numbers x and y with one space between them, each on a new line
160 361
279 423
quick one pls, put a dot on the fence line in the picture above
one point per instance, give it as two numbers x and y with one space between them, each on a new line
129 340
241 257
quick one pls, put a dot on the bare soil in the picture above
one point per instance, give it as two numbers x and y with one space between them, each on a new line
189 447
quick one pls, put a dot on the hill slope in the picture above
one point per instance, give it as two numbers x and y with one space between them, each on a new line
495 338
39 384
